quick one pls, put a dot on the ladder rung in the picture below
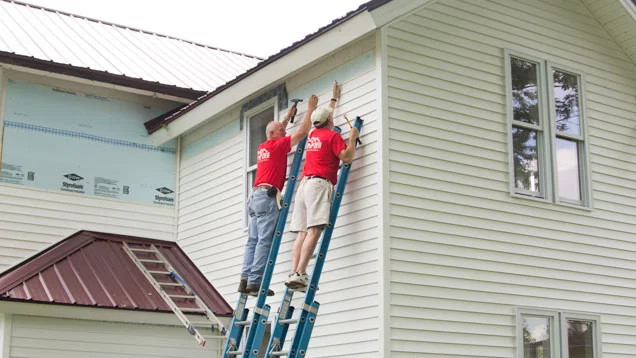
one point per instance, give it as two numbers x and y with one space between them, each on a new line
160 272
182 297
151 261
288 321
173 284
234 353
141 250
186 309
201 324
279 353
243 323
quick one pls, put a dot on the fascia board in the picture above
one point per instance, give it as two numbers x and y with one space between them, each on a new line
93 314
630 7
396 10
299 58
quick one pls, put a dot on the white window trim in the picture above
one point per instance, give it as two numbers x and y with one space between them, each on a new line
558 330
554 322
582 316
272 102
546 147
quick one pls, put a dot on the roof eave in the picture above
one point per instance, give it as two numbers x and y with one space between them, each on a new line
99 76
339 36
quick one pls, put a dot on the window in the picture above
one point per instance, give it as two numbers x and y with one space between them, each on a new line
550 334
256 122
547 142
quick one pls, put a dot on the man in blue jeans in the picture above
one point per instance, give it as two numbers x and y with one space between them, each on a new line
262 206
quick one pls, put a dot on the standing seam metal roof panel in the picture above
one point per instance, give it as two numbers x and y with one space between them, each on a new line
40 33
92 269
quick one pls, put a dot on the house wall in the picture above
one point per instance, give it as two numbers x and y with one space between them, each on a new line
33 218
211 227
463 252
33 336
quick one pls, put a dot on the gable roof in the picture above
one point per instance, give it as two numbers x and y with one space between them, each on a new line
154 124
56 41
92 269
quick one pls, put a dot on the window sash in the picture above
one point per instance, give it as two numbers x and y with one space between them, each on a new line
553 318
580 139
595 340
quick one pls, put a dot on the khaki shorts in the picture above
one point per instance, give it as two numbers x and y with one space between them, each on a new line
313 204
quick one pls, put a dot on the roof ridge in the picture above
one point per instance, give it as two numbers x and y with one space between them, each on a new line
129 28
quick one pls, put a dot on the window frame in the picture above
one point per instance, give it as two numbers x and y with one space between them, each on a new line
558 329
247 169
554 328
582 140
546 143
596 339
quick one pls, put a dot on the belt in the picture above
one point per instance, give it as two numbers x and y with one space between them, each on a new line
316 177
262 187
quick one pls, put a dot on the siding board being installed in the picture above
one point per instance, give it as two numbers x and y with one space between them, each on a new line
464 253
211 228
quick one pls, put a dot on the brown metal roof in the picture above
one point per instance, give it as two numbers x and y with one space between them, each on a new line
92 269
106 50
154 124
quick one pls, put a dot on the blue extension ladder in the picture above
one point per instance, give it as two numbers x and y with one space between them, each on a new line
309 311
261 310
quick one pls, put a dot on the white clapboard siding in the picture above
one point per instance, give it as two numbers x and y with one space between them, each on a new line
33 336
32 220
464 253
211 229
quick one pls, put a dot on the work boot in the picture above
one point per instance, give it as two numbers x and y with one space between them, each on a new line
253 289
243 286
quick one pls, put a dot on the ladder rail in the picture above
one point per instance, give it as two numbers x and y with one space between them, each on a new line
208 311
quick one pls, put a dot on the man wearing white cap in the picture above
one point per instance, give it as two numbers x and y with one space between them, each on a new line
325 149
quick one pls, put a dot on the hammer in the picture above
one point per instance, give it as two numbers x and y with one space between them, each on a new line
295 100
358 141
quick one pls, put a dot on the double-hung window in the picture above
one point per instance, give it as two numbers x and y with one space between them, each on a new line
256 121
552 334
547 142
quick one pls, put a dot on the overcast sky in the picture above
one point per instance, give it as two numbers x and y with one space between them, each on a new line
255 27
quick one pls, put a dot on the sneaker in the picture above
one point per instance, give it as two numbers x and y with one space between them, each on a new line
253 289
242 286
297 280
292 276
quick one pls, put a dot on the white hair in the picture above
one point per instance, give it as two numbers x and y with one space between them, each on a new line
271 127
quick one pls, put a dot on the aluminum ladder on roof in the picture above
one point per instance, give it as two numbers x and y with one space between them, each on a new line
261 310
175 289
305 323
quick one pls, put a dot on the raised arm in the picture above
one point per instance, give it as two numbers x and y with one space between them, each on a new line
292 112
347 154
305 126
335 96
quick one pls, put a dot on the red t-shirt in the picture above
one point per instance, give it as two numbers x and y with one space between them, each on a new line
271 164
323 148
